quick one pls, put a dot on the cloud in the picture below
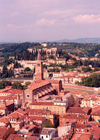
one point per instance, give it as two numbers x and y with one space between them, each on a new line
10 27
87 18
45 22
57 12
33 19
14 13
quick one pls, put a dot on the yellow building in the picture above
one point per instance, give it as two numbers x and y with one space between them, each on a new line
41 113
55 107
61 61
96 116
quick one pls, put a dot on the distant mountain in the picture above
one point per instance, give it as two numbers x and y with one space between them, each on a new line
7 42
81 40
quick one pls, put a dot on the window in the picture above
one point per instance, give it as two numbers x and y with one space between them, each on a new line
28 95
42 137
46 136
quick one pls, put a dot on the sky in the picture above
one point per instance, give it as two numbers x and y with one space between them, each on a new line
48 20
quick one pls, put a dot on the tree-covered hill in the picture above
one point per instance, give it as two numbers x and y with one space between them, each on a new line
7 50
78 49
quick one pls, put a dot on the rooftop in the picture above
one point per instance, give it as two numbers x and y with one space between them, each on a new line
74 116
47 131
75 110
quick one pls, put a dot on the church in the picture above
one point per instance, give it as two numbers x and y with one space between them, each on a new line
40 87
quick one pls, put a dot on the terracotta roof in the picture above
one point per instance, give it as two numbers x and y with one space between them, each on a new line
96 132
15 137
18 114
89 97
9 97
38 112
75 110
3 131
42 103
82 126
38 84
21 112
81 136
86 109
2 106
34 118
96 113
74 116
4 120
9 103
15 91
76 105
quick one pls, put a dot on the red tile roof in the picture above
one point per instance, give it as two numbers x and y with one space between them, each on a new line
38 84
75 110
86 109
18 114
38 112
96 113
74 116
76 105
81 136
42 103
4 120
3 131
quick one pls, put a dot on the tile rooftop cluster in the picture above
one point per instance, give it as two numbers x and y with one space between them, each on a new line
45 111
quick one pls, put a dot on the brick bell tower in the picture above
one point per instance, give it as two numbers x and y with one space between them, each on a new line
39 68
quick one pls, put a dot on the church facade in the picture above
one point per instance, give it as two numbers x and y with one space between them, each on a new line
39 87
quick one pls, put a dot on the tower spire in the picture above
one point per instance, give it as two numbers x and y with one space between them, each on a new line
38 56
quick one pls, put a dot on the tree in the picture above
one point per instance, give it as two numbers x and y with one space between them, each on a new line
48 124
52 57
45 66
26 85
17 85
10 73
27 69
4 72
3 84
26 55
32 57
8 61
87 69
17 65
92 81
